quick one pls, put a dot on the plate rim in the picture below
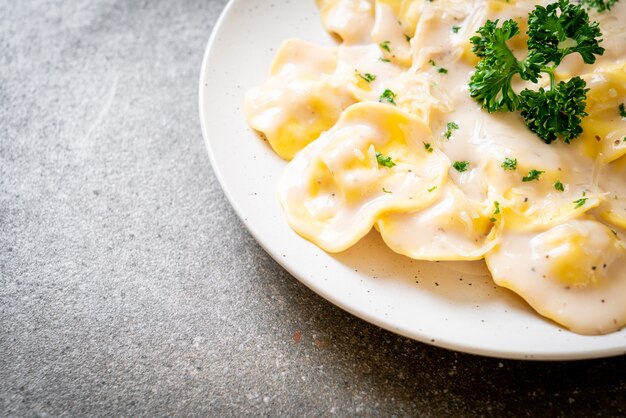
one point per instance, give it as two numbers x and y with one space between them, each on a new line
473 349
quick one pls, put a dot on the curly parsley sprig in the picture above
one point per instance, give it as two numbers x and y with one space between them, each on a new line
599 5
554 32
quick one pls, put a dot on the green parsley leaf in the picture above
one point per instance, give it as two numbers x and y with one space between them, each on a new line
367 76
580 202
461 166
385 45
599 5
532 175
450 127
432 189
509 164
552 29
556 112
384 161
555 31
456 29
559 186
491 83
385 190
439 69
622 110
428 147
388 96
497 206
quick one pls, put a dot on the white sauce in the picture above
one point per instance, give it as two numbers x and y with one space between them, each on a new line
406 64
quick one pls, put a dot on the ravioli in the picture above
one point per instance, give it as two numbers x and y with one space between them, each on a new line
572 273
452 228
382 133
351 20
604 130
335 189
613 208
297 103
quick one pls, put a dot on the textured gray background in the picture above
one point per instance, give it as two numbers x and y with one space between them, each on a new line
129 287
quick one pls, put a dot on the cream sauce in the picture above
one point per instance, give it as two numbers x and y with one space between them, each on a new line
406 64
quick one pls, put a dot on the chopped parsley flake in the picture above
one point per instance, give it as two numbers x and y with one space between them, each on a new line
428 147
407 37
385 45
580 202
388 96
456 29
461 166
509 164
439 69
432 189
622 110
450 127
385 190
496 204
383 59
384 161
532 175
559 186
367 76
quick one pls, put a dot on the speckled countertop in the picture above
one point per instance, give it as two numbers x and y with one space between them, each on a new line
128 286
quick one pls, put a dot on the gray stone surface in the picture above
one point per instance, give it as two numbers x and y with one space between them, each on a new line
129 287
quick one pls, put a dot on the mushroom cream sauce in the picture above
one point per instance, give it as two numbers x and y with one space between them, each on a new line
381 132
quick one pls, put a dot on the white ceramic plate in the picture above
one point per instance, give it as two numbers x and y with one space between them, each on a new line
451 305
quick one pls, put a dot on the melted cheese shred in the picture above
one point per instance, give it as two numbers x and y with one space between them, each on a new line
374 126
